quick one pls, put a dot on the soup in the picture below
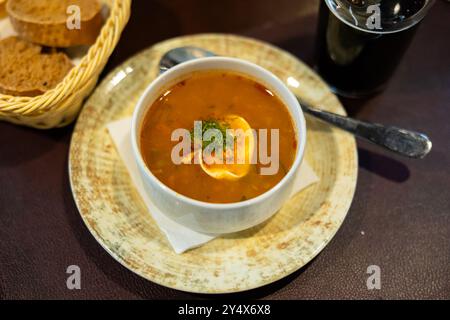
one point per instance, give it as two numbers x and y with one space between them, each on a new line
226 102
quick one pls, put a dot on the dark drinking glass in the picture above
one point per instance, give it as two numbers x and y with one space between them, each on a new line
361 42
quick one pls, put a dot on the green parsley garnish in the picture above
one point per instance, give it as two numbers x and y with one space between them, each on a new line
215 125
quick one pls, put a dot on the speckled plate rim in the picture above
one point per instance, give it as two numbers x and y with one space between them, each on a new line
282 275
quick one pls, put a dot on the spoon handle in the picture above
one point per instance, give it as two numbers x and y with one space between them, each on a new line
404 142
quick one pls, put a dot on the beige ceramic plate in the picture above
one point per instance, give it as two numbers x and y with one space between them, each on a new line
117 218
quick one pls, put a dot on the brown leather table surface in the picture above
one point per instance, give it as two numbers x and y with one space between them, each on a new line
399 220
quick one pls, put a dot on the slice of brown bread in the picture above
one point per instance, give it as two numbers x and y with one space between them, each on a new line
2 9
27 71
45 22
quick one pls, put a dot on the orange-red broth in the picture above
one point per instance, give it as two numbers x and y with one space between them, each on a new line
213 95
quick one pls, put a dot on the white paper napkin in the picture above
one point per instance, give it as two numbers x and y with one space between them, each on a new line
180 237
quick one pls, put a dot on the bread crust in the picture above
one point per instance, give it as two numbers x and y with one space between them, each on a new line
2 9
56 33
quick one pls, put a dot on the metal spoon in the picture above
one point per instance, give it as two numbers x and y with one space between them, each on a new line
401 141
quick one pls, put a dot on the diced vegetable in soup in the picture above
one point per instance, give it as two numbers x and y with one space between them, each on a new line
239 138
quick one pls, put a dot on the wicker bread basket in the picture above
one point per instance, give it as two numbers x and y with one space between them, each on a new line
59 106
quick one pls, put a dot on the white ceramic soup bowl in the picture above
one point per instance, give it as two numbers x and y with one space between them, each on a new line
206 217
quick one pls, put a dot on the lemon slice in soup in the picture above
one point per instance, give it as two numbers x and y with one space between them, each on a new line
237 160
